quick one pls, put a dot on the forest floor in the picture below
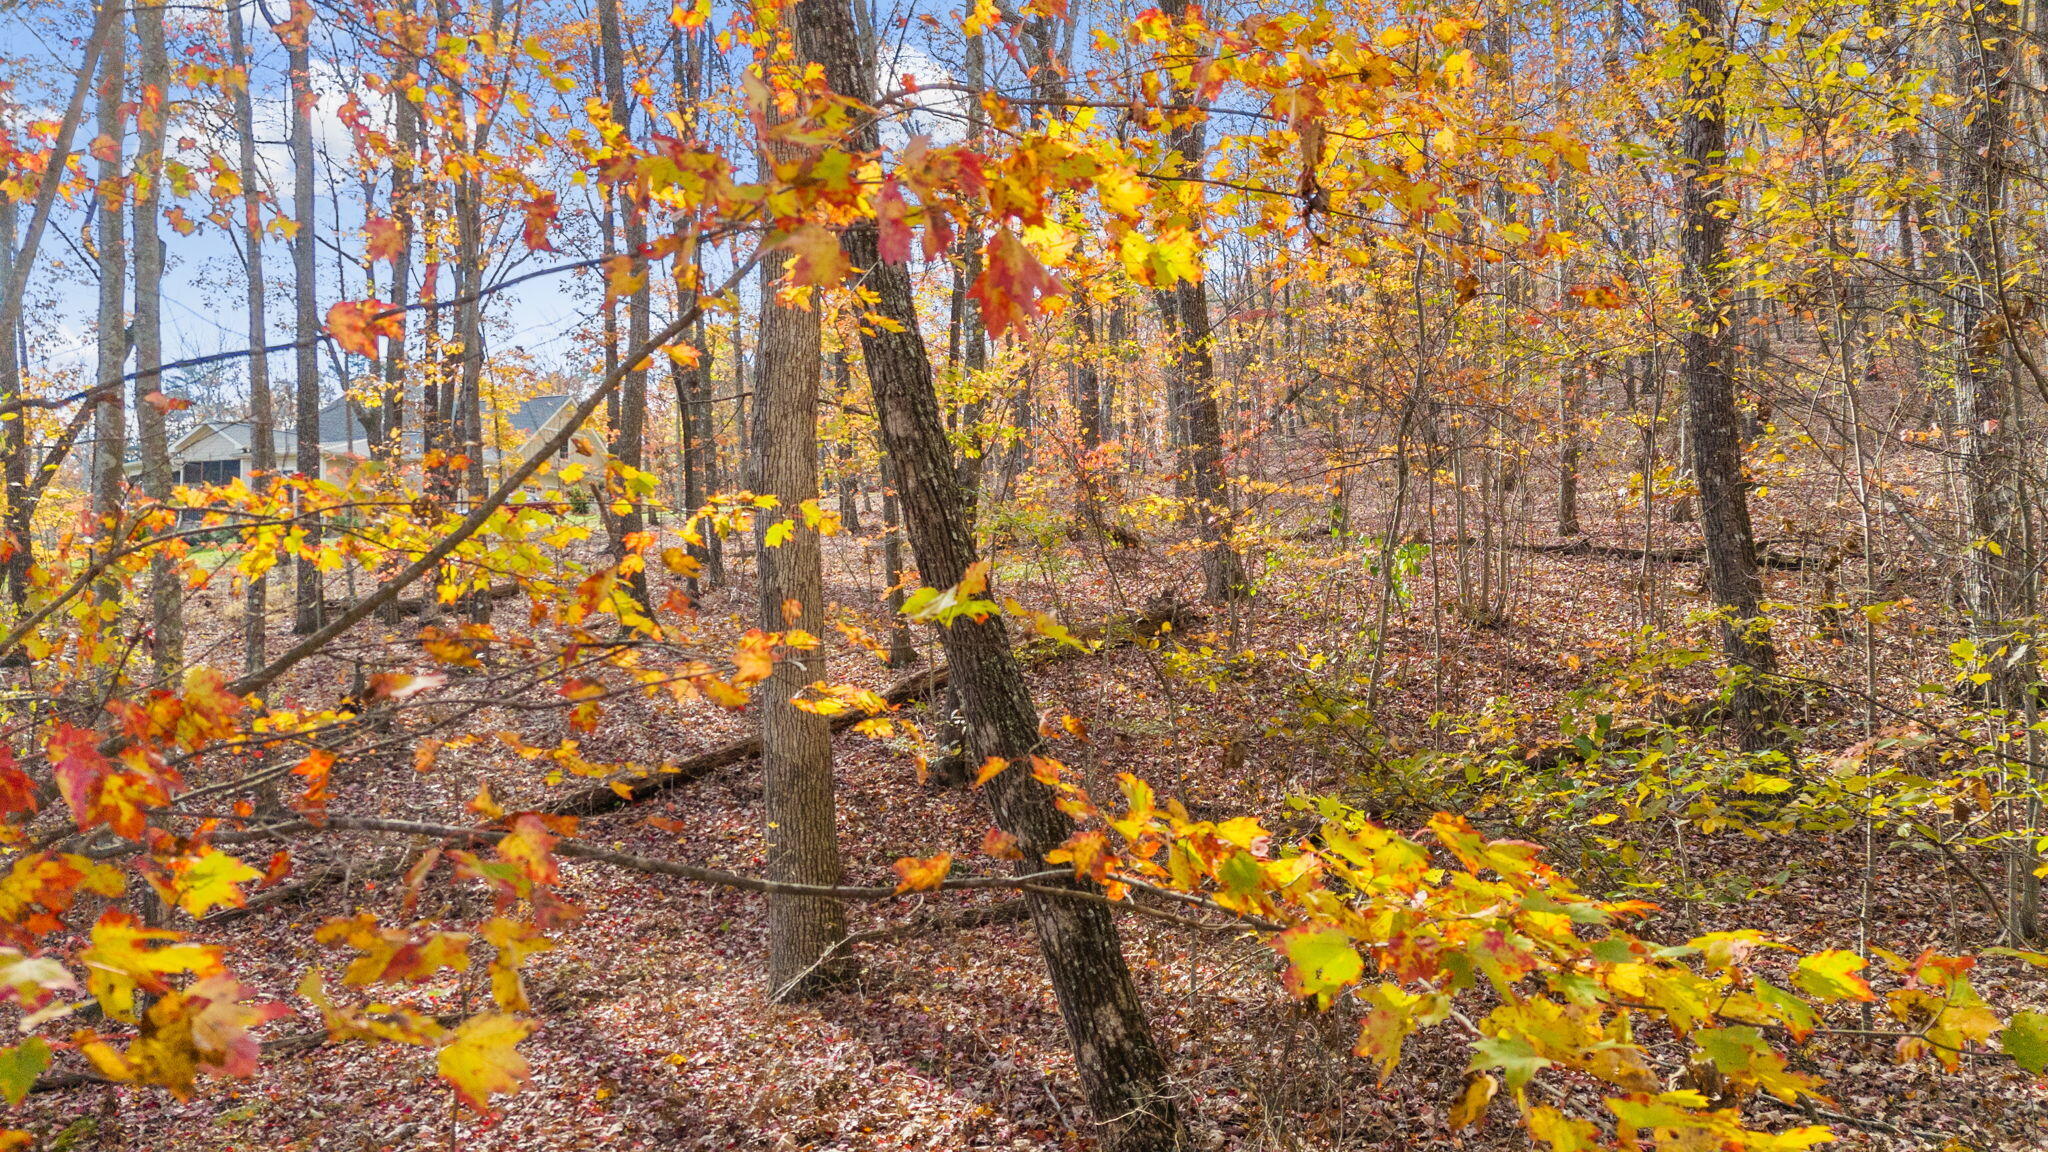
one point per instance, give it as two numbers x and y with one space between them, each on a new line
655 1032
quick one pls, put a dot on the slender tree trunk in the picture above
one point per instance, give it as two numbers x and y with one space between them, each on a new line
20 257
1568 451
1185 310
166 597
110 423
1121 1069
796 744
1713 425
262 413
309 610
630 439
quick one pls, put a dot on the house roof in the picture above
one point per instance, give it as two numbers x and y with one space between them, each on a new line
342 429
533 415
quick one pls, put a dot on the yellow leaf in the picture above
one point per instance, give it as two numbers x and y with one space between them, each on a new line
482 1059
1471 1105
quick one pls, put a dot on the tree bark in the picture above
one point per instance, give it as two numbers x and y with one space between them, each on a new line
629 441
1121 1069
166 596
262 412
110 424
1185 311
1712 424
309 608
796 745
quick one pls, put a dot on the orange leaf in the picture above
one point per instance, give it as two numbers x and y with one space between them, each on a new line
923 875
356 324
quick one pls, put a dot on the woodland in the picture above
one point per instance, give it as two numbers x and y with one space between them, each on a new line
1032 574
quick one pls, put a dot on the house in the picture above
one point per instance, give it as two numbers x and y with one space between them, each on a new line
217 451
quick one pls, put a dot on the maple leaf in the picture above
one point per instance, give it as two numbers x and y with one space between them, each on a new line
922 875
1479 1090
1321 962
753 658
125 956
482 1058
17 791
19 1067
383 240
815 256
892 214
1001 845
356 325
220 1019
540 214
1012 283
207 880
990 769
1832 976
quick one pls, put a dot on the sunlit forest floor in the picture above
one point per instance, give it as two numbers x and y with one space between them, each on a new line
655 1032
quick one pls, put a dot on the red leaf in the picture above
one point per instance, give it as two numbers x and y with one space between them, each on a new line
540 212
1011 283
385 240
892 219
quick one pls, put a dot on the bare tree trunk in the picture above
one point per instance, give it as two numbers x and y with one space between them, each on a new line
1712 423
166 599
1997 567
796 744
309 610
629 442
110 423
1569 383
19 548
1185 310
262 413
19 257
1120 1068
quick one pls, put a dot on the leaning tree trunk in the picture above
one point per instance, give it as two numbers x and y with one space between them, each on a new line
1712 423
166 600
1120 1067
308 609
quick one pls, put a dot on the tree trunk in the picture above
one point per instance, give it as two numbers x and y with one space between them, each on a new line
629 441
1712 424
166 597
1185 310
796 745
1997 567
1120 1068
262 413
110 424
22 490
309 608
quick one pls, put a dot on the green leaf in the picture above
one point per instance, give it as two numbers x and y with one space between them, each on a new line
19 1067
2025 1039
1514 1056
